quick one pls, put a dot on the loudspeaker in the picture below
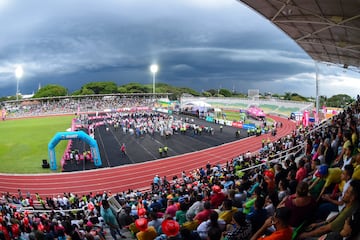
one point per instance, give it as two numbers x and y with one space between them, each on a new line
45 164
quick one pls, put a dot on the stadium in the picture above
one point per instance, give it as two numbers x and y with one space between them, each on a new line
149 160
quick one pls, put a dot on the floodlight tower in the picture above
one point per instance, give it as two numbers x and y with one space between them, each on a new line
18 74
154 69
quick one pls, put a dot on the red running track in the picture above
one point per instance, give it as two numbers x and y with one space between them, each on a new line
134 176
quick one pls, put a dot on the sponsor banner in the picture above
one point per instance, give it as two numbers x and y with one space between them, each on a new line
123 109
249 126
224 122
228 123
109 110
220 121
142 108
237 124
162 110
133 109
209 119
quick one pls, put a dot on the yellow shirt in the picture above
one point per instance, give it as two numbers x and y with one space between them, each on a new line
227 215
356 174
341 185
334 176
347 144
191 225
354 139
148 234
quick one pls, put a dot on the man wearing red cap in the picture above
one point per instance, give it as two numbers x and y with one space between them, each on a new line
218 197
171 229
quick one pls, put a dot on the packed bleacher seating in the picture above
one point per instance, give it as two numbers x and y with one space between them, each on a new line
275 194
71 105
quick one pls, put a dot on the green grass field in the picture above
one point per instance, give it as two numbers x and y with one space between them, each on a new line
24 143
232 115
235 116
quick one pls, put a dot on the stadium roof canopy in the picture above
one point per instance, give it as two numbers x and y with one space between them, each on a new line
328 30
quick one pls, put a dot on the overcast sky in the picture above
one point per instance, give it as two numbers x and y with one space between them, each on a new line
201 44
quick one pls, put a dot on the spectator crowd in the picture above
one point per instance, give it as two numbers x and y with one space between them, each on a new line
55 106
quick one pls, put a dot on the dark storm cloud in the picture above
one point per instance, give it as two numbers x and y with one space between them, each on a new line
197 44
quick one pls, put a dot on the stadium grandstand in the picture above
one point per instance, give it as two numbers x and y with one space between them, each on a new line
304 183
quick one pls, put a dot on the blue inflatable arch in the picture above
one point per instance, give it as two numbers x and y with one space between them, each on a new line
73 135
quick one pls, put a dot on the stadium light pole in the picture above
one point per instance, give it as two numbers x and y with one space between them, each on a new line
18 74
317 90
154 69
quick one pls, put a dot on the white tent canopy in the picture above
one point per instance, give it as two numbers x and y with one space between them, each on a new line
197 104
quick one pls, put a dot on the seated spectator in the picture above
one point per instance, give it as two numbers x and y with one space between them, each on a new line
280 173
88 235
300 204
204 215
217 197
271 203
214 234
336 224
213 222
145 233
247 206
329 155
180 215
258 215
301 172
269 179
195 208
191 225
339 161
292 181
281 223
316 185
282 189
335 205
156 205
330 175
356 160
188 235
241 228
259 181
227 211
314 167
170 229
171 208
236 200
351 230
124 217
154 221
347 158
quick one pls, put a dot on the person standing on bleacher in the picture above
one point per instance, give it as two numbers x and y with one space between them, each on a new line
110 219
